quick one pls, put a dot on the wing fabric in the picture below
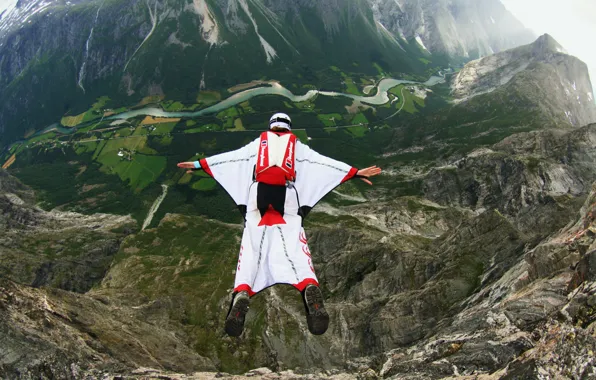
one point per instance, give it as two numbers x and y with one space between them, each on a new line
233 170
317 175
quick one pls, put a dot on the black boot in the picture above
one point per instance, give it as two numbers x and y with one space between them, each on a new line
317 318
238 310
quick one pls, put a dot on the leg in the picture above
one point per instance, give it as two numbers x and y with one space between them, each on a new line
317 317
238 309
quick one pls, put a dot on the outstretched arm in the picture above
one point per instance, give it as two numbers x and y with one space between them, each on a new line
232 170
366 173
317 175
189 165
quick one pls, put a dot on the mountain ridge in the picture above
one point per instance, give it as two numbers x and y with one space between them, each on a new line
179 51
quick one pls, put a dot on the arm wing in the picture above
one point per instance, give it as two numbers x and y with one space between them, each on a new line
233 170
317 175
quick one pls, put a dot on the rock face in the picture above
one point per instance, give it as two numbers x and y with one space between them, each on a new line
60 249
542 71
57 333
489 271
484 297
458 28
541 307
546 168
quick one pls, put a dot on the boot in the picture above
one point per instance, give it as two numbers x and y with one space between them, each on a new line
238 310
317 318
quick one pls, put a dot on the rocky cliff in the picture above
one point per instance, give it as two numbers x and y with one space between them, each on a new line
542 71
491 277
60 249
462 28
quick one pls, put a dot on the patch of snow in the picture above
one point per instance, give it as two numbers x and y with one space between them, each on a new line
173 40
590 97
269 15
153 16
419 40
7 6
574 86
209 27
36 11
155 206
349 197
269 50
389 35
492 19
568 114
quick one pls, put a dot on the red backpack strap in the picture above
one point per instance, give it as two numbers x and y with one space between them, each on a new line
263 154
290 158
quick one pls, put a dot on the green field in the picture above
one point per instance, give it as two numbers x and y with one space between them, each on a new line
162 128
360 119
86 147
172 106
204 128
204 184
330 119
351 87
357 131
412 103
208 97
44 137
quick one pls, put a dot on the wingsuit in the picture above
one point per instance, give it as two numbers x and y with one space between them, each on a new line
276 180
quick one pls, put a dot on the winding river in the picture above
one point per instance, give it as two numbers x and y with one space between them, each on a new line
380 98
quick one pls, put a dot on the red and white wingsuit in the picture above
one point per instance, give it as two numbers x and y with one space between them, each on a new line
274 247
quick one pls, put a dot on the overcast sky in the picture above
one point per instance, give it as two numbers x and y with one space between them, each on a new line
4 4
571 22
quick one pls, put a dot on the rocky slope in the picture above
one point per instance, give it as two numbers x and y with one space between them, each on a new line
59 333
462 28
60 249
542 65
493 277
525 89
530 177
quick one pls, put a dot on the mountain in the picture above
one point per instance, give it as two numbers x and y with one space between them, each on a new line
461 28
550 78
57 57
472 255
528 88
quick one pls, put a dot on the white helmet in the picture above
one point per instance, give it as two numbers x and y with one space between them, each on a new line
280 120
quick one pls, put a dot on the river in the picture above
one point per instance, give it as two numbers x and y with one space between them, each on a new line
380 98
